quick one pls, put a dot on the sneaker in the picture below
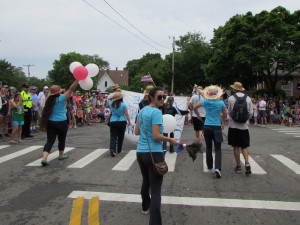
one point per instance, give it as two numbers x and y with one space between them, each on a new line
145 212
211 171
62 158
45 163
238 169
218 173
74 126
248 168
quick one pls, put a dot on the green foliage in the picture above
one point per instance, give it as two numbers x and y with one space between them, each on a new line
252 49
278 92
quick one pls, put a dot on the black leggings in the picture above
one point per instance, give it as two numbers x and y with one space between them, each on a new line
56 128
117 132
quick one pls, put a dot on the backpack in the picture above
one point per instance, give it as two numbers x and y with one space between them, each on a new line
240 112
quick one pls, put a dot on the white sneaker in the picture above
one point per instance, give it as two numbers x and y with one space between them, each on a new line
218 173
74 126
145 212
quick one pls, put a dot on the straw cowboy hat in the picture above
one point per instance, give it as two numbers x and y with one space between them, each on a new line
237 86
213 92
55 89
115 86
148 88
117 96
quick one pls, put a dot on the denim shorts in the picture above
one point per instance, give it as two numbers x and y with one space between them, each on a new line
18 123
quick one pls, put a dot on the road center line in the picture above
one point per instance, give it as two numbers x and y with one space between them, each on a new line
76 211
190 201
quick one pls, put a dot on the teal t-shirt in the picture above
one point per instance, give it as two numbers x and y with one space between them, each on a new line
213 112
59 109
117 114
149 116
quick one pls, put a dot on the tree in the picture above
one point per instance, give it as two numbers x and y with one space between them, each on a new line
257 48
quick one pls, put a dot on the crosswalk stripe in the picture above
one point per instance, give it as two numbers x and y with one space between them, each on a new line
205 170
288 163
88 158
19 153
288 131
51 156
293 133
171 160
255 168
76 211
94 211
193 201
126 162
4 146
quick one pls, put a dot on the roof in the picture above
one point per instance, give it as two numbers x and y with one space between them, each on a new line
118 76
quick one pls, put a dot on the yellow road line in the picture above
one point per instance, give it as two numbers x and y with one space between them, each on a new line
94 211
76 211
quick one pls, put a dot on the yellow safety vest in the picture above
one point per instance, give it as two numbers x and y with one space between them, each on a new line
27 101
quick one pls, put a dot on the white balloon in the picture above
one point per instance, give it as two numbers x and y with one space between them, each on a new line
93 69
169 123
73 65
86 84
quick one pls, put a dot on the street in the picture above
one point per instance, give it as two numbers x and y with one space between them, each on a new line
31 194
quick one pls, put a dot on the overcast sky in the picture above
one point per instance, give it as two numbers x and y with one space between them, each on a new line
37 32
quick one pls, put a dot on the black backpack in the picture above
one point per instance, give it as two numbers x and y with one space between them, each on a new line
240 112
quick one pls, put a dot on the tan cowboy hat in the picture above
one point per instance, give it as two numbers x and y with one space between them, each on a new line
200 87
117 96
148 88
55 89
115 86
237 86
213 92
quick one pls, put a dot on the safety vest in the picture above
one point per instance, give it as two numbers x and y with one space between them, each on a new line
27 101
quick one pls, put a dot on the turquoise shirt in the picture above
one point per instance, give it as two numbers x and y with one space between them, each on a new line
213 112
59 109
149 116
117 114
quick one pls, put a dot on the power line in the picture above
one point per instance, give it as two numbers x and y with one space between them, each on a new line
121 26
134 26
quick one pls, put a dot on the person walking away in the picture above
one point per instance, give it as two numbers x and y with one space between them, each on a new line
54 121
171 110
17 118
4 112
238 131
198 122
35 108
119 114
214 124
27 102
149 126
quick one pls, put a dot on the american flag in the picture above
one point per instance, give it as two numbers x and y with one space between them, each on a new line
146 78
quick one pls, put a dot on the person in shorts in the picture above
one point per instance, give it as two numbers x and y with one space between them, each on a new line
238 133
17 118
262 109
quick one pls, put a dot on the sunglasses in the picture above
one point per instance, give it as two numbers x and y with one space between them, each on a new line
160 97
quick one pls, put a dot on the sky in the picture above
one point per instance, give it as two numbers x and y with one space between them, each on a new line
36 32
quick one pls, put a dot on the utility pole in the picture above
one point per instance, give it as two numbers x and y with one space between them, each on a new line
28 66
173 46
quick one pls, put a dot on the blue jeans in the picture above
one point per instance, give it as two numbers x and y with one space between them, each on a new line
213 134
150 179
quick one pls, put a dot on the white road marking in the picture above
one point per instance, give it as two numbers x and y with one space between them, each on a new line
190 201
88 158
4 146
255 168
288 131
52 156
288 163
126 162
171 160
205 170
293 133
19 153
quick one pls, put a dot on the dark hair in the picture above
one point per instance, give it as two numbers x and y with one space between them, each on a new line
153 91
47 111
117 103
16 95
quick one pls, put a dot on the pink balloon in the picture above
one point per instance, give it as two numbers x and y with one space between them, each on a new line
80 73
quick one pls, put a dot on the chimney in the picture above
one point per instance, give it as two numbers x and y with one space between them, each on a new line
116 68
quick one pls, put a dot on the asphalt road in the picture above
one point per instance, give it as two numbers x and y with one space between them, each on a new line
37 195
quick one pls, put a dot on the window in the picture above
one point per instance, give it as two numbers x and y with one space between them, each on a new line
288 88
105 84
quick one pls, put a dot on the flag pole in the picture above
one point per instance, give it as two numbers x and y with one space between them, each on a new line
152 80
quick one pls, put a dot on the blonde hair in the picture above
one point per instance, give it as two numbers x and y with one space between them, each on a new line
169 102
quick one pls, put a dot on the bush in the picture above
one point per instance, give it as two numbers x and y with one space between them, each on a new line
278 92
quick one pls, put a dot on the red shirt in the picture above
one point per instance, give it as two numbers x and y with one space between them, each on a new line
77 99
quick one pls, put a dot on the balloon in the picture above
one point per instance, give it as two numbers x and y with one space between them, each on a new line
73 65
86 84
93 69
80 73
169 123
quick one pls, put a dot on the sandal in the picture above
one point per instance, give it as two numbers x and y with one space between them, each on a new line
64 157
12 141
45 163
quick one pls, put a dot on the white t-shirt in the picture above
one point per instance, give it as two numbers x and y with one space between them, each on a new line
262 105
195 99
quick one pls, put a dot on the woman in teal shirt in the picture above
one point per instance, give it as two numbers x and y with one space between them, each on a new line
149 125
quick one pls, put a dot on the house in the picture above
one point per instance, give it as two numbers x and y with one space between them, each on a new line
108 78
